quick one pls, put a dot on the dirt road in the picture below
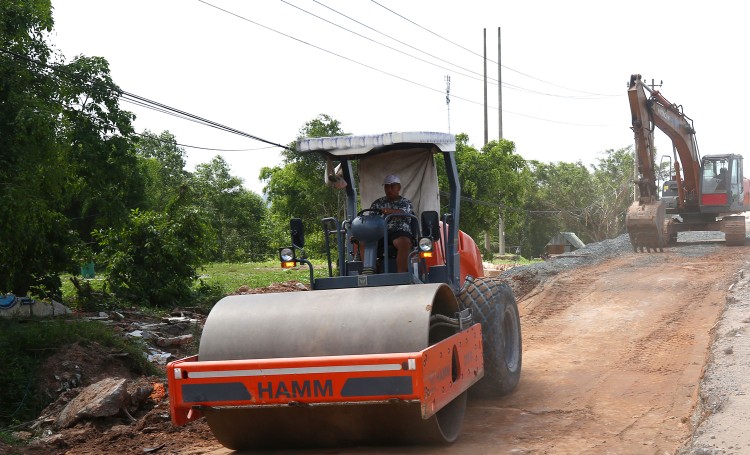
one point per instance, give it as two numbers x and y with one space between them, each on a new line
616 345
613 357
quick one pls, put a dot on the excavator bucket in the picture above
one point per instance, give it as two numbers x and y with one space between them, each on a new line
645 225
364 366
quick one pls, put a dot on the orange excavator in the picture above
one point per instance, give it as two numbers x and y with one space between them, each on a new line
703 194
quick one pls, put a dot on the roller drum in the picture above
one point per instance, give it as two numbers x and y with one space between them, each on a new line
323 323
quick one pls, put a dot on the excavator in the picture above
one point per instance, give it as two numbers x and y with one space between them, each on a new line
706 193
370 355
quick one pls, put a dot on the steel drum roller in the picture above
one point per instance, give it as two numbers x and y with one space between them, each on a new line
322 323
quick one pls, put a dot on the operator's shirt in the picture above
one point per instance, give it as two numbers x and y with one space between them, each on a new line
396 223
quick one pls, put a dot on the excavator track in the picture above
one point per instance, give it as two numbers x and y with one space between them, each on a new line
734 230
645 225
340 322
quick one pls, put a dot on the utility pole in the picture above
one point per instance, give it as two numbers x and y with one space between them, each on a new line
486 133
448 100
501 223
499 88
653 84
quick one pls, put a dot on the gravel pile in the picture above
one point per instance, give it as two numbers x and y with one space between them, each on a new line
524 278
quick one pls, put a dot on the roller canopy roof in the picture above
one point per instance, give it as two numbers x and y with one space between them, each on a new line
361 145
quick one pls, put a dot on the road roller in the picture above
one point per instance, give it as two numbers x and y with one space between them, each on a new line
370 354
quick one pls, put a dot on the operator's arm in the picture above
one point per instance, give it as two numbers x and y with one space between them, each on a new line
403 205
387 211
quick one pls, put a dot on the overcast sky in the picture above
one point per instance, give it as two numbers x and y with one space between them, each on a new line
266 67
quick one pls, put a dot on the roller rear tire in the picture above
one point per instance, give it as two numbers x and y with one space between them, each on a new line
494 307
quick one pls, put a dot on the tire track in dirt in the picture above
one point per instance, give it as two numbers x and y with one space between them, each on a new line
629 350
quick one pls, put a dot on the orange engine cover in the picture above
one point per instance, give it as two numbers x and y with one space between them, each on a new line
471 258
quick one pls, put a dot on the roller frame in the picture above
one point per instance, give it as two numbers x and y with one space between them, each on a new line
427 377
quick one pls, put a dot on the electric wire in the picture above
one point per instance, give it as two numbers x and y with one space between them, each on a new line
478 103
335 54
479 78
489 60
493 81
201 120
164 141
145 102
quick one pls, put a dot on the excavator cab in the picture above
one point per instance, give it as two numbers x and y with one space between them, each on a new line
721 183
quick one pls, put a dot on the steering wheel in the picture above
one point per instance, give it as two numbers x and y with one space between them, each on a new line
373 211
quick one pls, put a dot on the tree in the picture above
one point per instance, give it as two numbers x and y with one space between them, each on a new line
494 182
589 202
65 164
154 258
162 164
104 179
613 178
296 189
238 216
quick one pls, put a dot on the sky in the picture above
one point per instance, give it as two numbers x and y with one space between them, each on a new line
267 67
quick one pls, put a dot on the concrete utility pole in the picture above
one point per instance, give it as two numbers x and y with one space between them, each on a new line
501 223
486 133
499 89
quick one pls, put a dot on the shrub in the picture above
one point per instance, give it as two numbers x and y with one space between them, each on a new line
155 257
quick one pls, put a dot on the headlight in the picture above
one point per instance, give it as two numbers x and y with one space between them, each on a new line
425 244
286 255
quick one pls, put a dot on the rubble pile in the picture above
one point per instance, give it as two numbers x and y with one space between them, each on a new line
100 405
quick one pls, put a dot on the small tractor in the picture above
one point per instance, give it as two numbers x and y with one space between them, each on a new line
368 356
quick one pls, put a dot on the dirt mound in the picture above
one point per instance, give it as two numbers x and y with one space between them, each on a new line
77 365
286 286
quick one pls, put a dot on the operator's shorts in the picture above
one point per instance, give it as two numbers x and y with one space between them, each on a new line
396 234
391 236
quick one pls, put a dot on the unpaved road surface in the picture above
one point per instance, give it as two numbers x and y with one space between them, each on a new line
624 353
614 354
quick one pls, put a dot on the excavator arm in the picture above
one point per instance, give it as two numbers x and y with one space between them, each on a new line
649 109
644 139
645 221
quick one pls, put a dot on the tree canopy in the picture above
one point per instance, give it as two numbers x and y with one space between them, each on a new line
65 159
296 189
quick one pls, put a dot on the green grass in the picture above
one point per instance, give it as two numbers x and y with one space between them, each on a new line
520 261
219 279
228 277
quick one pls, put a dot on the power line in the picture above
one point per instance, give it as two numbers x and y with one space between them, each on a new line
396 40
478 77
479 103
164 141
481 56
151 104
385 45
200 120
331 52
